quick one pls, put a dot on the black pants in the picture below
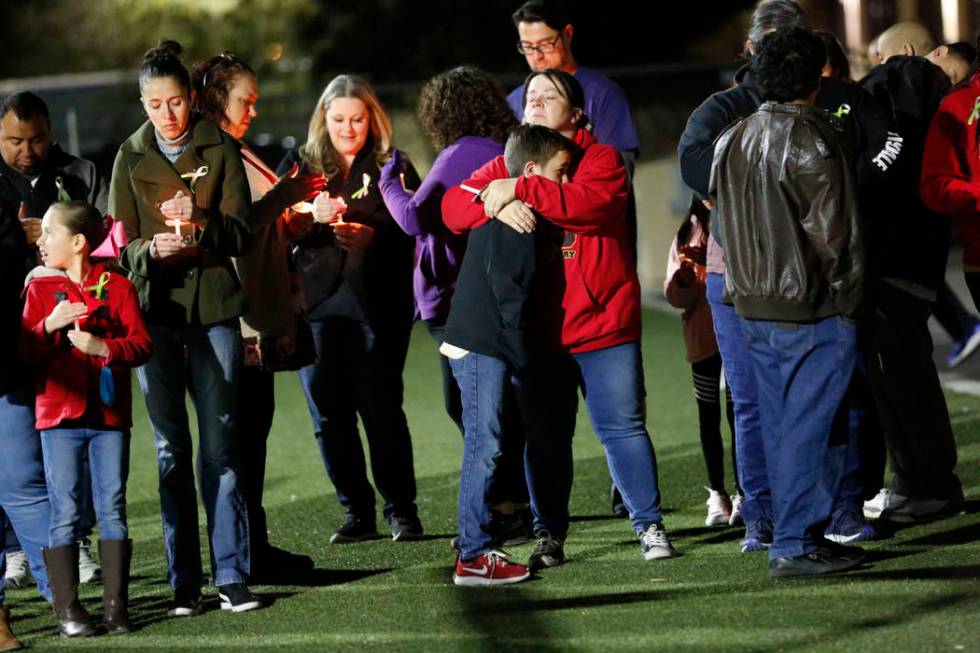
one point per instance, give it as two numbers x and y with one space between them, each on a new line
951 314
911 406
256 405
707 376
509 482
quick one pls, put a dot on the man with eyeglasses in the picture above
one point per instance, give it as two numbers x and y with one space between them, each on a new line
546 42
545 32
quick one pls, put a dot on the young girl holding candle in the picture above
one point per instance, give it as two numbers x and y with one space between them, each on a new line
82 331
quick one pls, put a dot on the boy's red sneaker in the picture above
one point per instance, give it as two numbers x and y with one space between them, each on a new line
491 568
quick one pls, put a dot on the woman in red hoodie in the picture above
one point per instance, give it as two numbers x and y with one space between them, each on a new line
82 331
598 319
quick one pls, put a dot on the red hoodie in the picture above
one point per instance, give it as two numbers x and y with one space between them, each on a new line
951 165
601 295
67 379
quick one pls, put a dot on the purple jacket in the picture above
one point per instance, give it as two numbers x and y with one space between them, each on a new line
438 252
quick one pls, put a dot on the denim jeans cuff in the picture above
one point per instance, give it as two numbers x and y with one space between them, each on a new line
227 577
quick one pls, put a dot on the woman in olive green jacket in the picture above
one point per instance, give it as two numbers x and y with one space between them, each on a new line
179 187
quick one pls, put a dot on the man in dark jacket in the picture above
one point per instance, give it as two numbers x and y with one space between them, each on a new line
790 228
876 146
34 173
908 248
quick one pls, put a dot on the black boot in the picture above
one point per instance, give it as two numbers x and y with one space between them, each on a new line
115 556
62 564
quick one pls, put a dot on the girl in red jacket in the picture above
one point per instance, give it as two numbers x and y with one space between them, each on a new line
81 332
593 310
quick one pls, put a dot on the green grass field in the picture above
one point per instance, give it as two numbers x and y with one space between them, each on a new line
920 592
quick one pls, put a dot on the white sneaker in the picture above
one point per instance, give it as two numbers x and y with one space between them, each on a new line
884 500
18 574
88 569
719 508
654 543
736 518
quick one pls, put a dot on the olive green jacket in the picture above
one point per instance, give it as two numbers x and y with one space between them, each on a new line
199 285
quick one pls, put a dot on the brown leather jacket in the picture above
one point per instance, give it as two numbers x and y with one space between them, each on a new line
788 216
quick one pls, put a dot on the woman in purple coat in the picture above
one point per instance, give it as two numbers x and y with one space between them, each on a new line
464 112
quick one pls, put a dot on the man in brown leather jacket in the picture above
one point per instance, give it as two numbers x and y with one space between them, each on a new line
790 228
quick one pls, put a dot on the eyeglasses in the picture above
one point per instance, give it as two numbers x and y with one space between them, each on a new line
546 47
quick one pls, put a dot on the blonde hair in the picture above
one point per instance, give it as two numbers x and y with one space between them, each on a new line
319 152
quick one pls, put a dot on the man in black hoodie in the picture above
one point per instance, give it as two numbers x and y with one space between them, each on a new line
908 246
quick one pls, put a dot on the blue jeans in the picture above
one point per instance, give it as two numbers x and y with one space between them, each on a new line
65 453
359 372
484 383
204 361
750 453
611 380
803 371
23 492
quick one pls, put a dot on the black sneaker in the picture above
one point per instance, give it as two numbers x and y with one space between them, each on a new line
819 561
186 603
549 551
354 529
509 530
404 529
237 598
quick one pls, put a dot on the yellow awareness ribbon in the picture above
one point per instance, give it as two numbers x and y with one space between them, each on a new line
194 175
99 288
975 113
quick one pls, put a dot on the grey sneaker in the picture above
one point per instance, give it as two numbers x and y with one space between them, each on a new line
18 574
549 551
88 569
888 505
654 543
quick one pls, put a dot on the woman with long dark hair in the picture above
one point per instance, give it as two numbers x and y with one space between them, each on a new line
179 187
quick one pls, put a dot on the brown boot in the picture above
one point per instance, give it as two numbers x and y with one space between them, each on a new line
62 564
115 556
7 640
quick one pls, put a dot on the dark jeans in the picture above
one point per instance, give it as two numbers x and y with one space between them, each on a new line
706 375
359 372
203 361
611 380
910 400
739 372
509 482
951 314
256 405
803 371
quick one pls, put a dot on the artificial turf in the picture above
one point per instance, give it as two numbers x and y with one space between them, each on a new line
920 591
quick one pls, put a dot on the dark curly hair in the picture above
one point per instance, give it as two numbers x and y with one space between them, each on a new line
464 101
787 64
212 79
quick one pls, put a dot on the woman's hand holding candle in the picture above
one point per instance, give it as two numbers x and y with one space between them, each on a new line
165 244
178 207
352 236
328 209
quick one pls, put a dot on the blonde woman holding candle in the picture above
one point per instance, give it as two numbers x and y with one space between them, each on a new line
356 268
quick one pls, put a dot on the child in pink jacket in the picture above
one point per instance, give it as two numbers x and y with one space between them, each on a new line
684 287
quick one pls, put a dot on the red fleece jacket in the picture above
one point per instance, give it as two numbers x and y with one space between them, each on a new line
951 165
601 295
67 379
